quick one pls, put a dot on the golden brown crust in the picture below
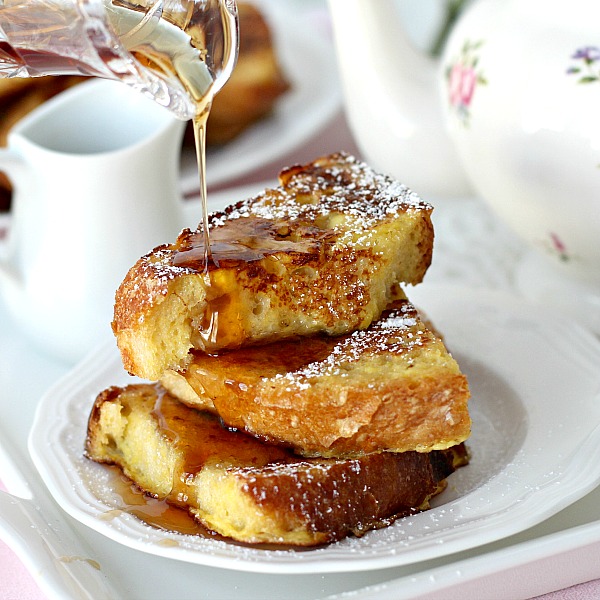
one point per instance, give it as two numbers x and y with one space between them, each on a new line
391 387
319 253
252 491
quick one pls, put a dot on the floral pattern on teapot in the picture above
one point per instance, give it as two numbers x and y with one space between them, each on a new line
558 247
463 77
588 64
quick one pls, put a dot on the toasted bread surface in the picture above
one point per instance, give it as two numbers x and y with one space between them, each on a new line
320 253
393 386
249 490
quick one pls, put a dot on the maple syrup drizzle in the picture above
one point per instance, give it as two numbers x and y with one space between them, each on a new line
208 31
159 514
156 512
199 124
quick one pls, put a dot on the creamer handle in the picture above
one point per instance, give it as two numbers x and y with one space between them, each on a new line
12 164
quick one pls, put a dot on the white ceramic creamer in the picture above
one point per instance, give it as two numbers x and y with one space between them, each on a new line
95 172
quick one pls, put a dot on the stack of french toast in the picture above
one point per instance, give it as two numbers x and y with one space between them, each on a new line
296 396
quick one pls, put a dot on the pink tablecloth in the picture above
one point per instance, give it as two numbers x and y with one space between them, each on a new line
15 582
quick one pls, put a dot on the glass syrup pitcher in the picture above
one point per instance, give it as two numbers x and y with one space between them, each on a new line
178 52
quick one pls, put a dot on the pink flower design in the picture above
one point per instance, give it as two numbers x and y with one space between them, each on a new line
559 247
461 85
463 78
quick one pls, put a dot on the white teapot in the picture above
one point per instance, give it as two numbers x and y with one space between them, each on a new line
510 111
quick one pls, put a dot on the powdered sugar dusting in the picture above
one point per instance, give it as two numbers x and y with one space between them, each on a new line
399 331
339 184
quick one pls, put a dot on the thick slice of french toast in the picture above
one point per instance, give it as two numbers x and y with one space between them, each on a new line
393 386
249 490
319 253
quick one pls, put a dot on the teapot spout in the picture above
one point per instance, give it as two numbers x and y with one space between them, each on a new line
392 99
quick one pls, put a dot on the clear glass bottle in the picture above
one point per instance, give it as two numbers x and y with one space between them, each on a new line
178 52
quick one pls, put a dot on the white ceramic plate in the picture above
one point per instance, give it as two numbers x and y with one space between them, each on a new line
309 63
535 444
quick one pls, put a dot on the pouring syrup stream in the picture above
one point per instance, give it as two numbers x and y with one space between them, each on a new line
198 49
199 124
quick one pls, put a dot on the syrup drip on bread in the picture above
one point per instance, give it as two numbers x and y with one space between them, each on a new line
199 124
